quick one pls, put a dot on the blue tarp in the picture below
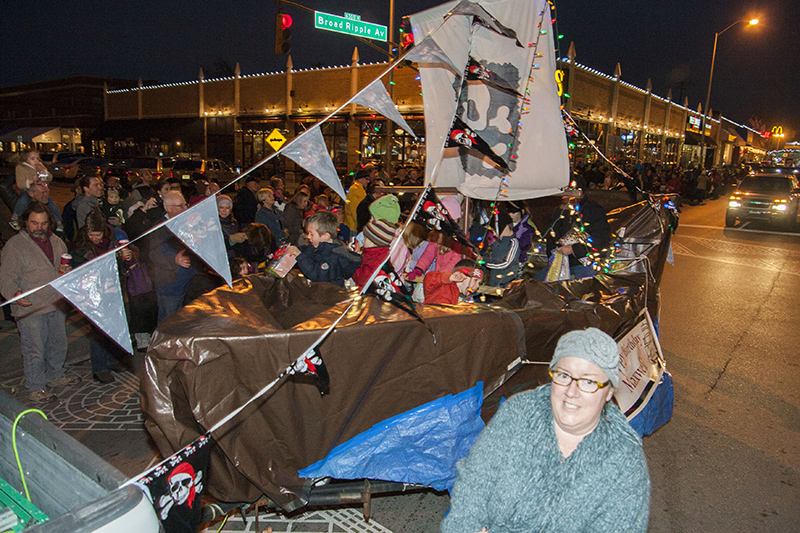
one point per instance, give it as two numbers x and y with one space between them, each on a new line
418 446
658 410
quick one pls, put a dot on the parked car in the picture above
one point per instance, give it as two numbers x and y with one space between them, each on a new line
119 168
51 158
91 166
210 169
67 168
773 197
157 165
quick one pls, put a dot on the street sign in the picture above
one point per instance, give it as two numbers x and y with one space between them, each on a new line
276 139
349 25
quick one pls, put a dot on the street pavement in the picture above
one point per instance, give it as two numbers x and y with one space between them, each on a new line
729 460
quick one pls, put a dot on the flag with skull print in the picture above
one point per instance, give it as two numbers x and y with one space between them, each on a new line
462 136
388 286
175 484
434 216
479 72
311 364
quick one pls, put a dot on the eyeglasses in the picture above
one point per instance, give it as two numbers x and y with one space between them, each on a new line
563 379
177 205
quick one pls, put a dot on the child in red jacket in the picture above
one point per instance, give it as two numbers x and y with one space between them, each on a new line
450 288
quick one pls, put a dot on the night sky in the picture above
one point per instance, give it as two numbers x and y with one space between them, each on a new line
756 75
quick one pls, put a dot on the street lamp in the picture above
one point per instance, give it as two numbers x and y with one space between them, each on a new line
751 22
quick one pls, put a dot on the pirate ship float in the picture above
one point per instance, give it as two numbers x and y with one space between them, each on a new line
404 400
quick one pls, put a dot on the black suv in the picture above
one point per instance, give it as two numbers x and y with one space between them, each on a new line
773 197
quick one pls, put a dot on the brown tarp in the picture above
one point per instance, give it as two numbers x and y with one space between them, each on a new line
212 356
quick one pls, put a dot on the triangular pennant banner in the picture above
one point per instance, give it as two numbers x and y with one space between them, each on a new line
570 127
311 364
427 51
94 289
434 216
310 152
174 486
476 71
388 286
375 97
461 135
482 17
199 229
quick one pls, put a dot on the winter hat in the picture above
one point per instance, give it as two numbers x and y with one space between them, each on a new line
592 345
453 207
386 208
224 199
380 232
131 204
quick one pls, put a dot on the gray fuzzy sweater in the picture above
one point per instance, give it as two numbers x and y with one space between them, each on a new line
515 478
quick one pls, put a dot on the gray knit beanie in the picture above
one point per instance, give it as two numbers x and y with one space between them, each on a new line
592 345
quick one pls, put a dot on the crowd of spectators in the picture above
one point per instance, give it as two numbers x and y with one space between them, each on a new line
694 184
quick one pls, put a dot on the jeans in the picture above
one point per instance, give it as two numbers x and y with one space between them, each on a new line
168 304
43 343
101 352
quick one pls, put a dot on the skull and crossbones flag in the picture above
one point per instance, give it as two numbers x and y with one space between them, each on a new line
462 136
434 216
478 72
311 364
390 287
570 127
174 486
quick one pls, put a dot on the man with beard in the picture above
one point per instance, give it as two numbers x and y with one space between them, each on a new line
29 260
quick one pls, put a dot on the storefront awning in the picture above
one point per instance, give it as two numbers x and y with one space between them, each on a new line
41 134
695 138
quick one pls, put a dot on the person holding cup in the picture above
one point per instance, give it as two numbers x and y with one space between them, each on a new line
94 239
31 259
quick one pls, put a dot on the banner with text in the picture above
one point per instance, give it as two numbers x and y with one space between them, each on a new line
641 365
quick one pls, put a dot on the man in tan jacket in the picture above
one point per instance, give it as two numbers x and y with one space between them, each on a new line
29 260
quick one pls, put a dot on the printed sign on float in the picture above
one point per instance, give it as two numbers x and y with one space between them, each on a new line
350 25
641 365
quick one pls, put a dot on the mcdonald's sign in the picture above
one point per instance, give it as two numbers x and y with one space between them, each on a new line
777 131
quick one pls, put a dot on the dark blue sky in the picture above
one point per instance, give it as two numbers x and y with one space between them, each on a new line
756 75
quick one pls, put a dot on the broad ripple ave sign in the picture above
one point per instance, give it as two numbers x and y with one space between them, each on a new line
349 24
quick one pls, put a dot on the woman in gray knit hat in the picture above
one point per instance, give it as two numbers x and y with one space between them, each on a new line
559 458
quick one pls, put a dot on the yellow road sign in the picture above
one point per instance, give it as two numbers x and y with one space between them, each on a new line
276 139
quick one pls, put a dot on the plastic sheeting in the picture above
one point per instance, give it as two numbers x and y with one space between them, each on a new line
419 446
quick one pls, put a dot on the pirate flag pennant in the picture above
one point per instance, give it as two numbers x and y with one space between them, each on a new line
175 484
482 17
462 135
476 71
388 286
570 127
311 364
427 51
434 216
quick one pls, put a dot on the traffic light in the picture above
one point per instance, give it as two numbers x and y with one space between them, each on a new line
406 35
283 34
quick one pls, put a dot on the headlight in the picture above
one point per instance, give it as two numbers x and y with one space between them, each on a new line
734 203
780 207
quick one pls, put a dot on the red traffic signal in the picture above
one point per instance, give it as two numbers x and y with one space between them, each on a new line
282 33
